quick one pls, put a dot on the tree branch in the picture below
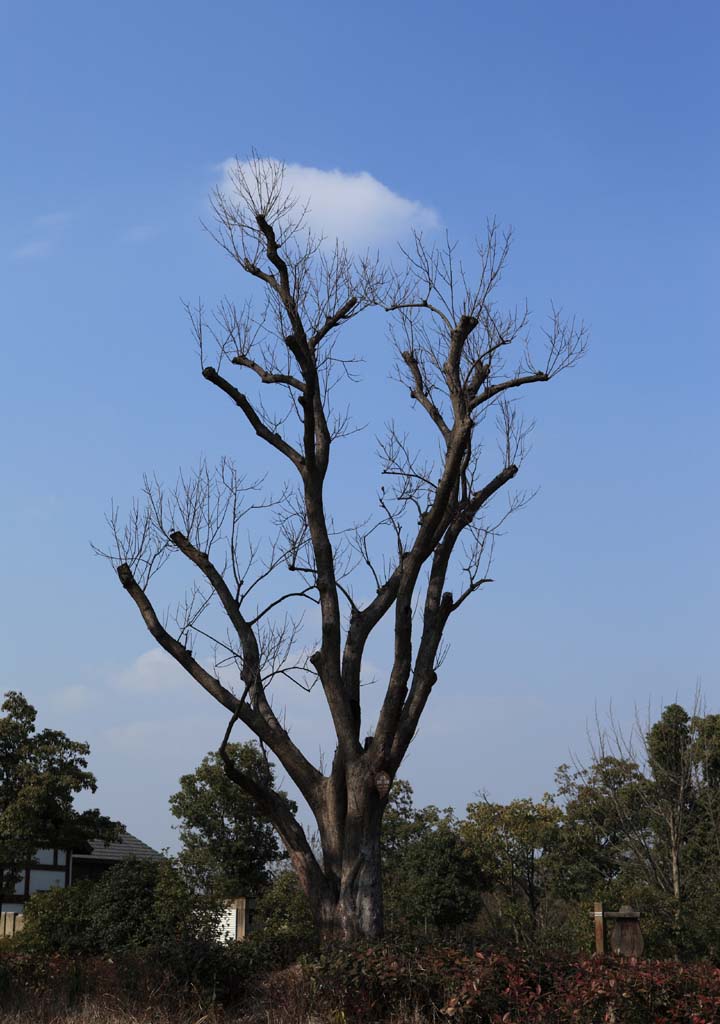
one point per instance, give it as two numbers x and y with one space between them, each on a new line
401 712
515 382
278 810
259 426
266 376
331 322
304 774
419 392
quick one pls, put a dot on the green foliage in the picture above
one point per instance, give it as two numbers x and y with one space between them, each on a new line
40 774
283 906
283 927
228 847
646 831
60 920
707 750
668 746
641 830
135 905
162 934
515 844
432 879
520 875
593 843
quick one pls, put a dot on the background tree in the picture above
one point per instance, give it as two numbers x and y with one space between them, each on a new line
40 775
593 844
513 842
641 825
432 879
424 549
229 848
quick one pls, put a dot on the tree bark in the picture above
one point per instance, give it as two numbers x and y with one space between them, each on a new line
357 909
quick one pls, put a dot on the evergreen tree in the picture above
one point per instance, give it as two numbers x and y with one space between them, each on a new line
229 848
40 774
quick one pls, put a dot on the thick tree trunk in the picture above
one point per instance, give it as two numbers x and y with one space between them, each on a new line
357 911
350 905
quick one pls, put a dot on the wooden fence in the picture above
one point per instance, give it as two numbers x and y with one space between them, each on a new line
10 924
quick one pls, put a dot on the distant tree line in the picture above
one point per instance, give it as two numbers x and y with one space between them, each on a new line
640 824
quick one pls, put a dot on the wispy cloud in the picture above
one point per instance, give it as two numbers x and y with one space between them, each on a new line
137 737
74 698
46 228
34 250
153 672
351 206
139 233
56 219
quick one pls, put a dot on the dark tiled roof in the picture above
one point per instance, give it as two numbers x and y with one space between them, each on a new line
127 846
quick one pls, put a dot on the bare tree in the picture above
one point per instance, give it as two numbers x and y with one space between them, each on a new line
451 343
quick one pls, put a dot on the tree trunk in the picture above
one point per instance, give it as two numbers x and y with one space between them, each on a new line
351 903
357 912
676 887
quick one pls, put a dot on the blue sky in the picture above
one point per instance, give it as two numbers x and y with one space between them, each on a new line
592 129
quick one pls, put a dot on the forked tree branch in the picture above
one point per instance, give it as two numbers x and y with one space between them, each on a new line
269 730
259 426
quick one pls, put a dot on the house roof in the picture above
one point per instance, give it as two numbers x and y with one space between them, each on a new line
127 846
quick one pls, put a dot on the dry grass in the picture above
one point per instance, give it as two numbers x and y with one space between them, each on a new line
97 1012
94 1012
281 998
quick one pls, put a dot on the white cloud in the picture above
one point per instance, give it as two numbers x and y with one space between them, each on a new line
74 698
32 250
138 737
50 226
153 672
353 207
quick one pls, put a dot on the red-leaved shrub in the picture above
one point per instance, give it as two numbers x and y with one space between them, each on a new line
489 988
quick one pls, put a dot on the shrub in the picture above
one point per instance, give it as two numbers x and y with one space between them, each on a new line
283 924
136 905
372 984
160 934
60 921
375 985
